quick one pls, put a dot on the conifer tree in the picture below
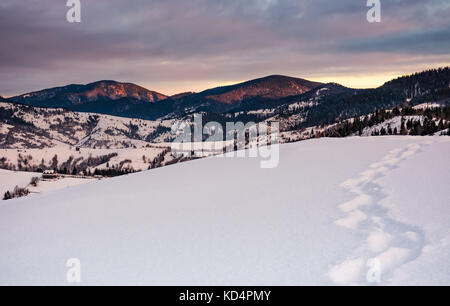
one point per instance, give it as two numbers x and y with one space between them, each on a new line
7 196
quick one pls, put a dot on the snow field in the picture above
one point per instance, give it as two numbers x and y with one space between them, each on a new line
325 215
390 242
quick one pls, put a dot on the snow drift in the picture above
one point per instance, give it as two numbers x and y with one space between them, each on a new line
331 208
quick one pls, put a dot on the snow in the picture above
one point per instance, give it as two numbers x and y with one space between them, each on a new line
262 112
10 179
64 152
318 92
428 105
53 185
71 129
331 209
303 104
4 128
443 132
428 211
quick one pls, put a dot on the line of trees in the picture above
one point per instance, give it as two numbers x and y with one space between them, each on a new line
16 193
159 159
434 120
112 172
70 166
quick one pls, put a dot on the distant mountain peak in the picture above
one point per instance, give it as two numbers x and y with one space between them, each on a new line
274 77
117 90
182 95
269 87
76 94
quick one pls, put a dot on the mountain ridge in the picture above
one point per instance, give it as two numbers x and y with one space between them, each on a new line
225 98
77 94
331 101
131 100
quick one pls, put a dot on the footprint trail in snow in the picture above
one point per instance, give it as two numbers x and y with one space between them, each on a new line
388 242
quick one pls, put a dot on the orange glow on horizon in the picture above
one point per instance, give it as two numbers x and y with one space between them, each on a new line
359 80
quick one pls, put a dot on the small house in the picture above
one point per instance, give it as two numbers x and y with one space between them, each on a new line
49 174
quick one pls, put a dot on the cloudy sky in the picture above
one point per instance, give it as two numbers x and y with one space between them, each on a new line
173 46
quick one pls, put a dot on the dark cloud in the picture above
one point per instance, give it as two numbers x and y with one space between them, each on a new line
422 42
173 45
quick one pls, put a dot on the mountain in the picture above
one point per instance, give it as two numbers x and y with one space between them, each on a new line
225 98
182 95
27 127
424 87
312 103
427 86
332 103
103 97
33 138
78 96
309 97
271 87
129 100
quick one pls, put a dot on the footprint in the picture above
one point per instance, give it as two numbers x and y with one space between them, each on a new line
389 242
352 220
348 272
378 241
393 258
360 200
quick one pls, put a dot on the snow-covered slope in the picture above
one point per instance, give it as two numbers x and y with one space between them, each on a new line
331 207
70 156
40 134
26 127
10 179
